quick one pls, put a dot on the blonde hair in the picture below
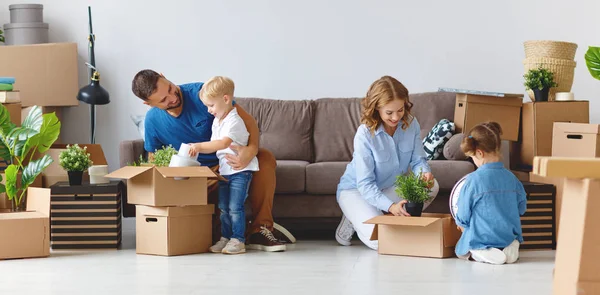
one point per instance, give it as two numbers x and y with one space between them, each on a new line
382 92
485 137
217 86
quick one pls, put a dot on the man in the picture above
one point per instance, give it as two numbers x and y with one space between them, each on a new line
178 116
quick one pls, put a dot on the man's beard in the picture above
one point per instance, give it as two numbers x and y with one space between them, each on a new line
178 94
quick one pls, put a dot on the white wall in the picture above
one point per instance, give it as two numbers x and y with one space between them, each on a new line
311 49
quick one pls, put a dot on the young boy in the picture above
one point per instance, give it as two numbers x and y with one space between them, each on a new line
228 128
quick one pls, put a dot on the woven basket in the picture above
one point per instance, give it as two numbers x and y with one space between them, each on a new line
563 70
550 49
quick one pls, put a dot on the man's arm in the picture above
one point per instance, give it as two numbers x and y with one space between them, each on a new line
210 146
252 127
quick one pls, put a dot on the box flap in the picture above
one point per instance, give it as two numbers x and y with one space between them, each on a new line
128 172
579 128
170 172
38 200
491 100
176 211
22 215
401 220
567 167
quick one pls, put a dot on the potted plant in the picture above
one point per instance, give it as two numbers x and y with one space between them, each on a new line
36 135
162 157
592 60
414 189
75 160
540 81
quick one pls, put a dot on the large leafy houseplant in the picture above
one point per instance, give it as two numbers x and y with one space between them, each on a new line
414 189
592 60
36 135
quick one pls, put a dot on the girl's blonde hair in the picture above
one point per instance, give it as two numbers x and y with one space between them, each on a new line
485 137
382 92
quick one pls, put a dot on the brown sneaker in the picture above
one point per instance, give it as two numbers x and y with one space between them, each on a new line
265 241
282 234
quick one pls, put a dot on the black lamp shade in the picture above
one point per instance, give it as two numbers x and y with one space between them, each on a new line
94 93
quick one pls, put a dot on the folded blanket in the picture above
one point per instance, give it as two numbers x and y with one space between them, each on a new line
7 80
6 87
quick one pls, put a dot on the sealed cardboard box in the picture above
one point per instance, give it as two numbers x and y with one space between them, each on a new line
169 231
431 235
27 234
538 222
45 74
471 110
577 270
55 173
165 186
538 120
576 140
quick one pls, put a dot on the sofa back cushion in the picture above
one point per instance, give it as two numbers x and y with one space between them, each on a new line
431 107
285 126
336 122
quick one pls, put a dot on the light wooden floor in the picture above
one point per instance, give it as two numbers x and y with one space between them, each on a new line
309 267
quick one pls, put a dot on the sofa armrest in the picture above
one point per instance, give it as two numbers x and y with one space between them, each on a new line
130 151
452 149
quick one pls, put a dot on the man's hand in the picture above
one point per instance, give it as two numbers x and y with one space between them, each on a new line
244 155
428 177
398 209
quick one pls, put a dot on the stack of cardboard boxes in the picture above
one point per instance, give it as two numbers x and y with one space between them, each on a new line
173 216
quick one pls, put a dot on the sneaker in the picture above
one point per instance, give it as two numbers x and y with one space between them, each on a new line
512 252
490 255
283 235
265 241
218 247
234 247
344 232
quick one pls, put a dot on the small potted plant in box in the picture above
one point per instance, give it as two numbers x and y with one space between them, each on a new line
540 81
36 135
414 189
75 160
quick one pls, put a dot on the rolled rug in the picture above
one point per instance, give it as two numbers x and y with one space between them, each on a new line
6 87
7 80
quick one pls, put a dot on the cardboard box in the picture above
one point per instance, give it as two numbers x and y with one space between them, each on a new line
521 175
471 110
576 140
538 222
27 234
558 183
55 173
14 111
431 235
567 167
538 120
576 267
172 231
4 202
45 74
165 186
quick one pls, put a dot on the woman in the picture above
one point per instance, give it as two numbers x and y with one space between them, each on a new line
386 144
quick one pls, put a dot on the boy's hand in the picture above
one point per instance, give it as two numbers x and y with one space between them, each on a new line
194 150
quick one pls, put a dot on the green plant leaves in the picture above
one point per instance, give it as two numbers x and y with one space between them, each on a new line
11 181
34 169
412 187
2 187
49 131
539 78
592 60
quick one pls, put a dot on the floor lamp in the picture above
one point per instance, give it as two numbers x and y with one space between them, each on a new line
93 94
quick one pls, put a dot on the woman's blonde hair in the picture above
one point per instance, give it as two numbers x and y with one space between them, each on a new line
382 92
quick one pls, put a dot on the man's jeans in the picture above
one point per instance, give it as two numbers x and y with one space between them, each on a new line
232 195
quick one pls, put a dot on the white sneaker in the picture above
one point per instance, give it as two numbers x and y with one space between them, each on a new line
218 246
512 252
344 232
234 247
490 255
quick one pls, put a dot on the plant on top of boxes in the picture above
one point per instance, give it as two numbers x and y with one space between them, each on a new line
592 60
36 135
1 36
75 160
540 81
414 189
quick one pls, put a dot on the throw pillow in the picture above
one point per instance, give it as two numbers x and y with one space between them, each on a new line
139 123
437 138
452 149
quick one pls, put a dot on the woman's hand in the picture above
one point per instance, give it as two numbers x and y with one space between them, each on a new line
398 209
428 177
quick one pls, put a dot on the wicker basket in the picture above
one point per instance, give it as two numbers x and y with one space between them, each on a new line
550 49
563 70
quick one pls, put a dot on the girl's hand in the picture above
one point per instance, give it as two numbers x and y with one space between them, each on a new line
398 209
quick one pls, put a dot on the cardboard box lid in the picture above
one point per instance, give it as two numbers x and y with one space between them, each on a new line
567 167
129 172
579 128
401 221
176 211
95 151
492 100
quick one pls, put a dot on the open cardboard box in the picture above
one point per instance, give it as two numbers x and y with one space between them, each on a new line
4 202
27 234
431 235
166 186
172 231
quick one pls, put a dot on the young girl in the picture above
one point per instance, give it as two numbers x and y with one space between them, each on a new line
491 202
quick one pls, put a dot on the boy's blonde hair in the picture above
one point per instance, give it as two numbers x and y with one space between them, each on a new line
217 86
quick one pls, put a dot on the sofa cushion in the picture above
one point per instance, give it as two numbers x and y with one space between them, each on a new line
323 178
306 206
448 172
291 176
285 126
336 122
434 142
431 107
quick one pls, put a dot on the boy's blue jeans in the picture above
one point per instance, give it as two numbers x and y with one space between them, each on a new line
232 196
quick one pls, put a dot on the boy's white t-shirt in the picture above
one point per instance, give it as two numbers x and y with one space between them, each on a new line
231 126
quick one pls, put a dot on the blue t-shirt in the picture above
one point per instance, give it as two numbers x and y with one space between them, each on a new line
193 125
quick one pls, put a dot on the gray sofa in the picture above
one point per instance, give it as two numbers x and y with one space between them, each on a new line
312 141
